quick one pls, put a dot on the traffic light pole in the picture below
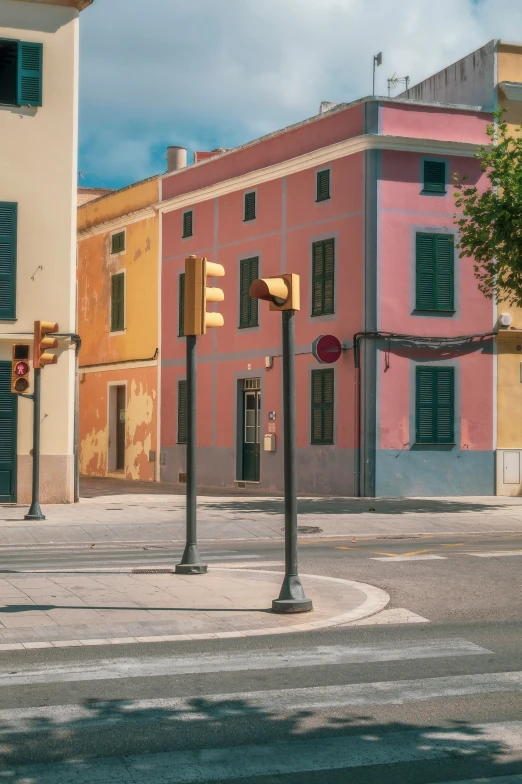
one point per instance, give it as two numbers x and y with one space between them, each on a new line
191 562
292 598
35 513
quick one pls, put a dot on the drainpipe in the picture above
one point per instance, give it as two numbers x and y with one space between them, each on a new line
76 339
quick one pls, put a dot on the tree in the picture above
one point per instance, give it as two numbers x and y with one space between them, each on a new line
490 220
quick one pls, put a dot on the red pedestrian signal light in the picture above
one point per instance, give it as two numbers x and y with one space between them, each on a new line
41 343
20 369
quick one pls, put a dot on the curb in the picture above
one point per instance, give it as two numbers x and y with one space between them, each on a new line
376 600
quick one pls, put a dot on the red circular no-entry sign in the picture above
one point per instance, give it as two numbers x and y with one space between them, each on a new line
327 349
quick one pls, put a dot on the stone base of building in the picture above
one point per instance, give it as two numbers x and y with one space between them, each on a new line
56 479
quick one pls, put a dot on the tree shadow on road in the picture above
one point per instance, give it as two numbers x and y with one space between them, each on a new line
120 734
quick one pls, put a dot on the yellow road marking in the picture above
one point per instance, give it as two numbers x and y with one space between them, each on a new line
457 544
345 548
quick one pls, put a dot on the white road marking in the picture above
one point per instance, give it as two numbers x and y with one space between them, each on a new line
496 554
234 662
398 615
299 756
203 707
394 558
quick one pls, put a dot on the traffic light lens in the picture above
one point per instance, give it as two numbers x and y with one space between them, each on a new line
21 384
21 368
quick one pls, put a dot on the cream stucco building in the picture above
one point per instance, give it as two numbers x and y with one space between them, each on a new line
38 171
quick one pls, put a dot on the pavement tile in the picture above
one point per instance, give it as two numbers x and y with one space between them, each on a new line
66 643
94 641
27 621
30 645
11 646
122 640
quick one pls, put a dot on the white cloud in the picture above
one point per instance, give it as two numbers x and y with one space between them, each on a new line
210 73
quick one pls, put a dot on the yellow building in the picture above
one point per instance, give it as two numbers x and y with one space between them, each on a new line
118 298
38 171
490 77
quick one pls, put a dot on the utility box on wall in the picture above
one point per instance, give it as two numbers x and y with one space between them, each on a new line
509 472
269 444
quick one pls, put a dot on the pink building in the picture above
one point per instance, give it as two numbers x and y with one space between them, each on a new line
358 202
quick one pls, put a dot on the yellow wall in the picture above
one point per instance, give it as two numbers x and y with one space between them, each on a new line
97 221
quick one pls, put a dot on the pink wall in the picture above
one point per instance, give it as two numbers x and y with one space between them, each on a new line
284 145
428 122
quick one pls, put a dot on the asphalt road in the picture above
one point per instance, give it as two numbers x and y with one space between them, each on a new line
399 704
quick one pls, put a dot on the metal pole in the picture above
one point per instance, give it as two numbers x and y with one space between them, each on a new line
35 513
191 562
292 598
373 87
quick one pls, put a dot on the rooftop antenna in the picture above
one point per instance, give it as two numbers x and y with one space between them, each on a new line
395 80
377 60
82 174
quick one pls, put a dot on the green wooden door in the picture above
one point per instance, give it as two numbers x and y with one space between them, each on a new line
8 409
251 435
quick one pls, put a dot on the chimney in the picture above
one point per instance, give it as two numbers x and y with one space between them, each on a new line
176 158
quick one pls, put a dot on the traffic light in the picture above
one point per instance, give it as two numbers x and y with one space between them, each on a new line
20 369
281 291
41 343
197 294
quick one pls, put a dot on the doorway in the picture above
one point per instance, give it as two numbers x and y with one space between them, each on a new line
251 429
117 419
8 411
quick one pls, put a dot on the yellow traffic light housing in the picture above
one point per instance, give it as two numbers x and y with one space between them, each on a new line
197 294
20 369
281 291
41 343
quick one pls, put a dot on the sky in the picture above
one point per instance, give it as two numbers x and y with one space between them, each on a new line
219 73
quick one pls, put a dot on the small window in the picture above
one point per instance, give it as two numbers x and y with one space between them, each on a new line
20 73
435 272
248 306
118 242
182 412
8 226
118 303
323 273
435 404
250 206
322 429
323 185
187 224
435 176
181 305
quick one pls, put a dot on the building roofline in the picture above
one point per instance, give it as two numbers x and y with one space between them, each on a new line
80 5
114 191
317 117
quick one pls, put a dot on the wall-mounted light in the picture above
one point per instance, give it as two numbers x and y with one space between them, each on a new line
505 320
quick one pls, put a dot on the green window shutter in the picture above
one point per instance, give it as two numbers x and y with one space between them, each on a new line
248 306
445 255
118 303
187 224
323 185
29 79
323 277
8 225
182 412
181 305
250 206
118 242
435 255
322 426
435 405
435 176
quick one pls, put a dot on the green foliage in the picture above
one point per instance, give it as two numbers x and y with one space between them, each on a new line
490 220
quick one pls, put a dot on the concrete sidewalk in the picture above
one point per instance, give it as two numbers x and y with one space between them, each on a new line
65 609
126 517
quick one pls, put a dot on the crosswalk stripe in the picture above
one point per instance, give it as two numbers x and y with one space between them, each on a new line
396 558
201 766
235 662
58 717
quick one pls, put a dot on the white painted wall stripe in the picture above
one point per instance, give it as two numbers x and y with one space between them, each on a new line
230 662
205 765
